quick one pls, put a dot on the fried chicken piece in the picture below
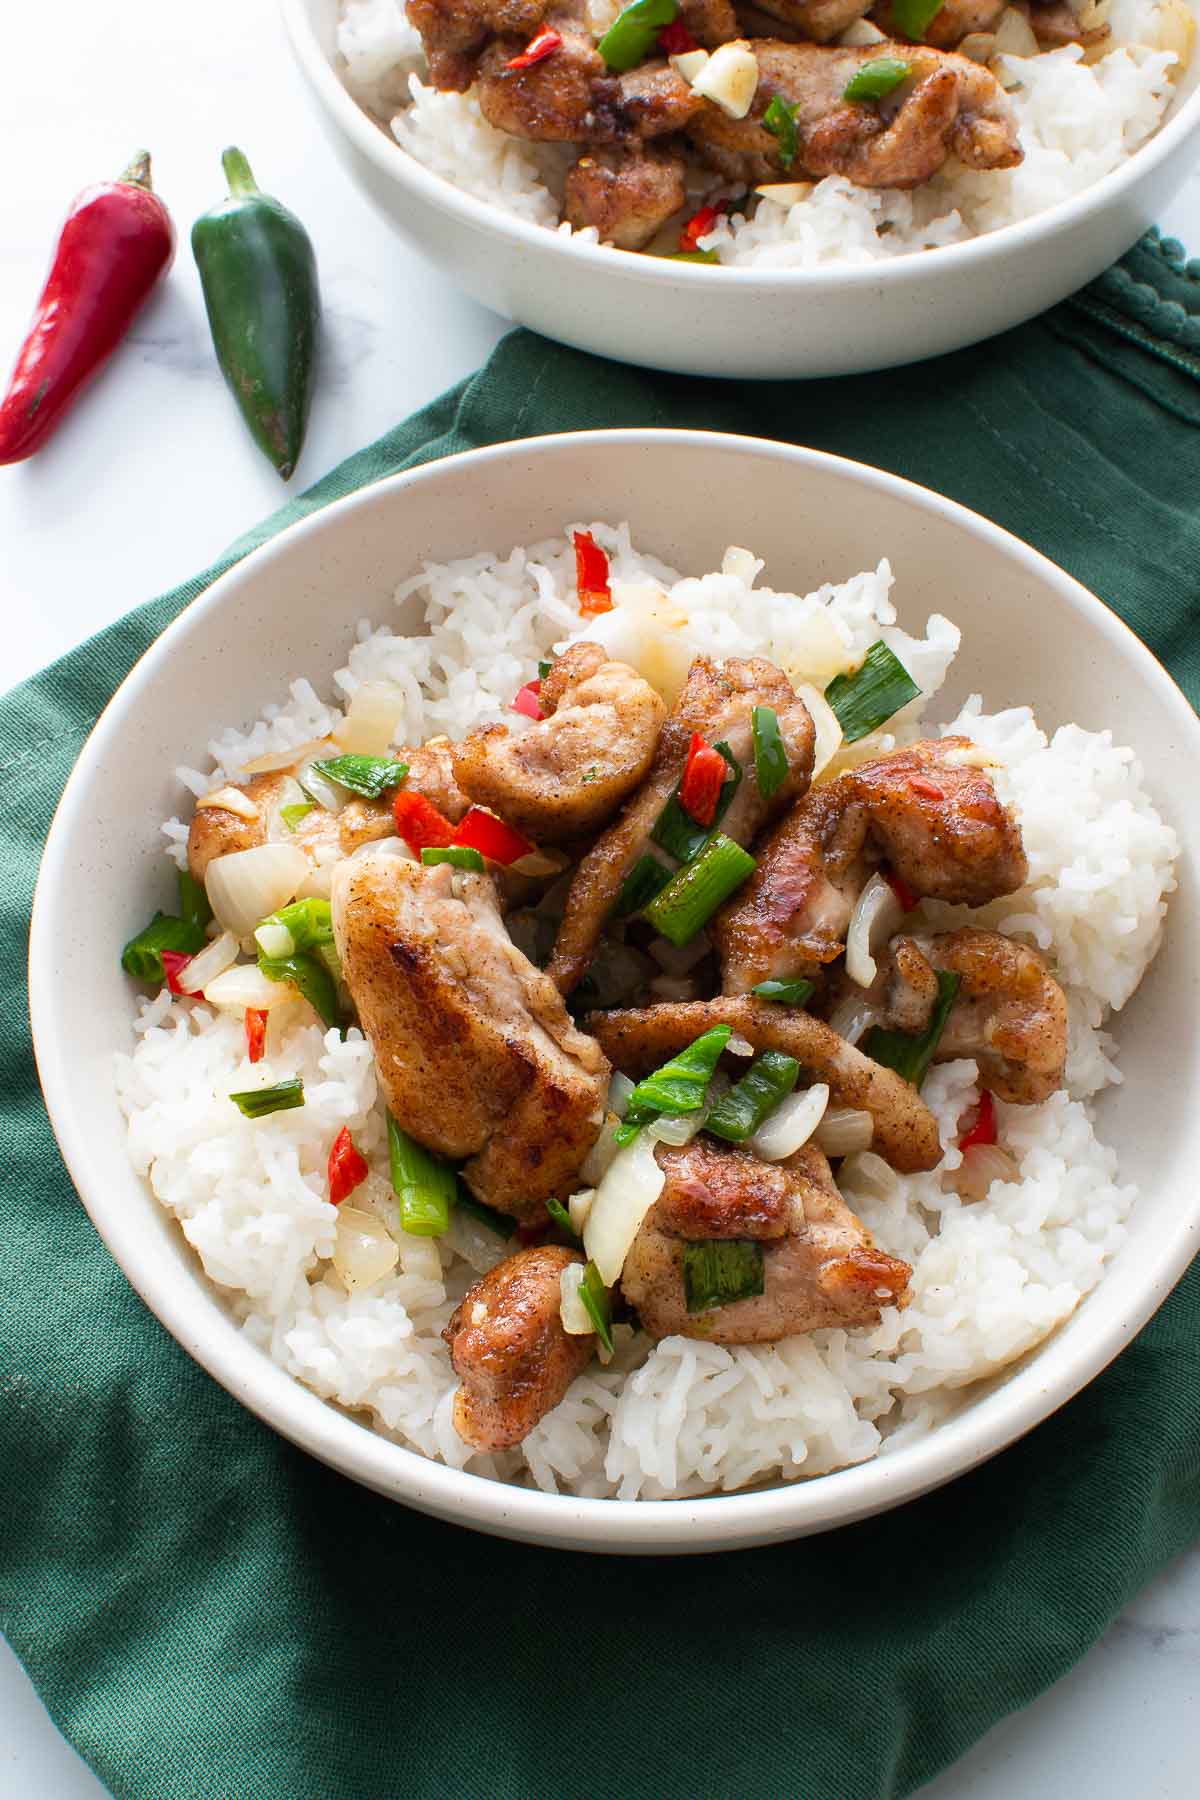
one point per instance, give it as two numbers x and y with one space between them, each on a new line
934 818
711 22
473 1047
565 776
628 195
718 701
453 32
572 97
953 21
948 105
1055 24
816 21
642 1038
510 1350
819 1265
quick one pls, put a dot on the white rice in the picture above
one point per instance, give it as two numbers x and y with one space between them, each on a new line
1077 122
990 1279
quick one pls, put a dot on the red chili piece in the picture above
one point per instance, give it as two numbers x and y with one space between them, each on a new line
930 789
698 226
526 700
537 49
901 889
256 1033
117 242
982 1129
591 575
483 831
174 962
675 39
703 778
420 823
347 1169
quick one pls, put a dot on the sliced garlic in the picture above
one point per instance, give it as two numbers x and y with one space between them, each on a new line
230 800
862 34
689 64
729 78
786 193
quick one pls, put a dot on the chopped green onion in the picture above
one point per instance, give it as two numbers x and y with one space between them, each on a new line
720 1271
307 972
499 1222
703 256
739 1113
679 835
678 1087
770 757
258 1103
459 856
646 878
426 1187
561 1217
370 776
878 688
634 32
875 80
597 1305
292 815
142 955
193 901
780 120
692 896
785 993
544 669
914 17
911 1056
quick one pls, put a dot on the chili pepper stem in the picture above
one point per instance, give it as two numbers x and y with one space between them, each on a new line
138 172
238 173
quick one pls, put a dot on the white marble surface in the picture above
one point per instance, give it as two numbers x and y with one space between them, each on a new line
154 474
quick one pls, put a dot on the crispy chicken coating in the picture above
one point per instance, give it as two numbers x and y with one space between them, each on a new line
815 20
953 21
453 32
509 1348
571 96
628 195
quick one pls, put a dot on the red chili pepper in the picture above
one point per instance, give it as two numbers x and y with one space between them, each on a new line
527 700
347 1169
174 962
698 226
483 831
901 889
420 823
675 39
703 778
117 242
591 576
930 789
256 1033
982 1129
537 49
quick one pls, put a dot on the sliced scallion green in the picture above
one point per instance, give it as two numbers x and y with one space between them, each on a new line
459 856
426 1187
142 955
544 669
646 878
634 32
193 901
780 120
877 690
914 17
292 815
370 776
562 1218
258 1103
721 1270
597 1305
677 833
739 1113
785 993
306 971
694 893
875 80
678 1087
911 1056
700 256
499 1222
770 757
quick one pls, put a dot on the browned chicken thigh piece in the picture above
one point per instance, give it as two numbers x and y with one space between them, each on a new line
933 817
1055 23
572 97
819 1266
905 1134
453 32
718 701
953 21
474 1050
510 1350
566 775
628 195
711 22
948 105
816 21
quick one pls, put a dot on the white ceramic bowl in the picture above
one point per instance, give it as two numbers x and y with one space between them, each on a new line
644 309
1029 634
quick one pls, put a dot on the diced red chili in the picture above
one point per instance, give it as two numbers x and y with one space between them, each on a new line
675 39
930 789
703 778
698 226
347 1169
174 962
591 575
420 823
981 1128
527 700
483 831
901 889
537 49
256 1033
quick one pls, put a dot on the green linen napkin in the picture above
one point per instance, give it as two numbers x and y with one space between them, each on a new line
209 1615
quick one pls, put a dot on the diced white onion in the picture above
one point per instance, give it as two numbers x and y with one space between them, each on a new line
1015 35
868 1172
540 865
388 846
729 78
843 1130
375 711
861 35
786 193
317 884
318 787
629 1189
981 1165
828 730
791 1124
230 800
420 1256
288 793
246 885
876 917
477 1244
619 1089
208 963
274 939
688 64
680 1128
245 986
578 1208
742 564
364 1250
571 1310
676 959
286 759
978 46
851 1018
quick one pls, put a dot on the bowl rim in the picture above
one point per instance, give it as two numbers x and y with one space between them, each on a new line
917 267
188 1305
